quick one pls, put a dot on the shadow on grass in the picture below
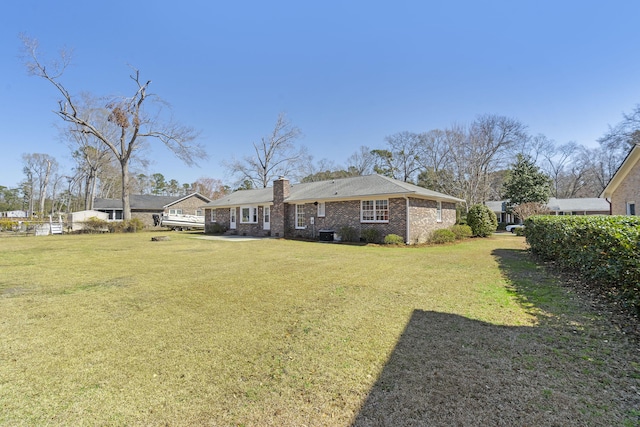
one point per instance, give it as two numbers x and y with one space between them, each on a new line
569 370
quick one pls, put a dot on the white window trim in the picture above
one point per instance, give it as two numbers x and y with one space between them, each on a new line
253 214
438 211
629 203
175 211
300 206
377 221
322 209
214 215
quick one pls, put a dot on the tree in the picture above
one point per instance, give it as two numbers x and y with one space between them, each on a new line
482 220
275 155
401 159
125 123
39 169
525 210
526 183
361 162
210 187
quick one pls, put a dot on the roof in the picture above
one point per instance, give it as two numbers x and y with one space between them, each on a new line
334 190
144 202
621 173
590 204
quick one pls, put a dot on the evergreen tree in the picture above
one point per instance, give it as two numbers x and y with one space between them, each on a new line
526 183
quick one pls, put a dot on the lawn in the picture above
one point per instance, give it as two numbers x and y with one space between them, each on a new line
120 330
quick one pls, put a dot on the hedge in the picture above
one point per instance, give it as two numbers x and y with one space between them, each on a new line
603 249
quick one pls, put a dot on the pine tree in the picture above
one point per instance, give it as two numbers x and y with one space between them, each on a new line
526 183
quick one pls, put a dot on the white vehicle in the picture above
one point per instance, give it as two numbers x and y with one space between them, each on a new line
513 227
182 222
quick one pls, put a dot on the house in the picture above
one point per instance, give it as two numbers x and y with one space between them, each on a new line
321 209
145 206
14 214
576 206
623 190
76 220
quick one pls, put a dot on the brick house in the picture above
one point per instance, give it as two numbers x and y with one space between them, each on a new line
623 190
320 209
144 206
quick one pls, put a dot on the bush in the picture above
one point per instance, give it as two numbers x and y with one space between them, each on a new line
95 225
461 231
131 226
603 249
7 224
371 235
348 234
393 239
217 228
482 220
442 235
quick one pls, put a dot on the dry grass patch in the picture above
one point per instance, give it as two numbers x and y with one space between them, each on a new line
119 330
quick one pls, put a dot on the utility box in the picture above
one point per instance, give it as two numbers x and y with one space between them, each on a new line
326 235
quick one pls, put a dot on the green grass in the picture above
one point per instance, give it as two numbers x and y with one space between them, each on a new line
119 330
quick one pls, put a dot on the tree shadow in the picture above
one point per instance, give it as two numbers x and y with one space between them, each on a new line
571 369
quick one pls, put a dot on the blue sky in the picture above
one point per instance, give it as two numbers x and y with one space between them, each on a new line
347 73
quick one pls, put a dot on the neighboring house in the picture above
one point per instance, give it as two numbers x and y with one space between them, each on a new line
320 209
14 214
623 190
145 206
578 206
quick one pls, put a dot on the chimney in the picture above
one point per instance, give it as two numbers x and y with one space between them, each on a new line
281 191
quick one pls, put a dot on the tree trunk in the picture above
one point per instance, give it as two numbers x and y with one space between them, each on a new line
126 205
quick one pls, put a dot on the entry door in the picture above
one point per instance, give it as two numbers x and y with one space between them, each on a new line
232 218
267 217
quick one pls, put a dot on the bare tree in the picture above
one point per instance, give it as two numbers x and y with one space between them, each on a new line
210 187
133 120
525 210
402 158
361 162
275 155
39 169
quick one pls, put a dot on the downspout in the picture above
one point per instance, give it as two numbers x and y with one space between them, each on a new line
407 219
610 206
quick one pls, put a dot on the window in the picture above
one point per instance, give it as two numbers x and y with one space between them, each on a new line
439 212
213 215
300 223
374 211
198 212
631 208
175 211
321 209
249 215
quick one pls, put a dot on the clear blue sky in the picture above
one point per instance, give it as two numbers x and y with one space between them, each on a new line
347 73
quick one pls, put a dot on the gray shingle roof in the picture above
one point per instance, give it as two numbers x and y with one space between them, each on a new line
337 189
144 202
586 204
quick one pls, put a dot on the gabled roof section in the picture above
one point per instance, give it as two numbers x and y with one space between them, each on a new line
260 196
361 187
188 196
357 187
618 177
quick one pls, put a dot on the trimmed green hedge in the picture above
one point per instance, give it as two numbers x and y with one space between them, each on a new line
603 249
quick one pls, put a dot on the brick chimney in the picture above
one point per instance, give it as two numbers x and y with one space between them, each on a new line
281 191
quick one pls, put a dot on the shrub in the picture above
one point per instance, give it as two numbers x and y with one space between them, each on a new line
95 225
371 235
603 249
461 231
348 234
393 239
7 224
442 235
217 228
130 226
482 220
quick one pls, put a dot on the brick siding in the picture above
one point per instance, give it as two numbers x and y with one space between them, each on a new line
627 191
